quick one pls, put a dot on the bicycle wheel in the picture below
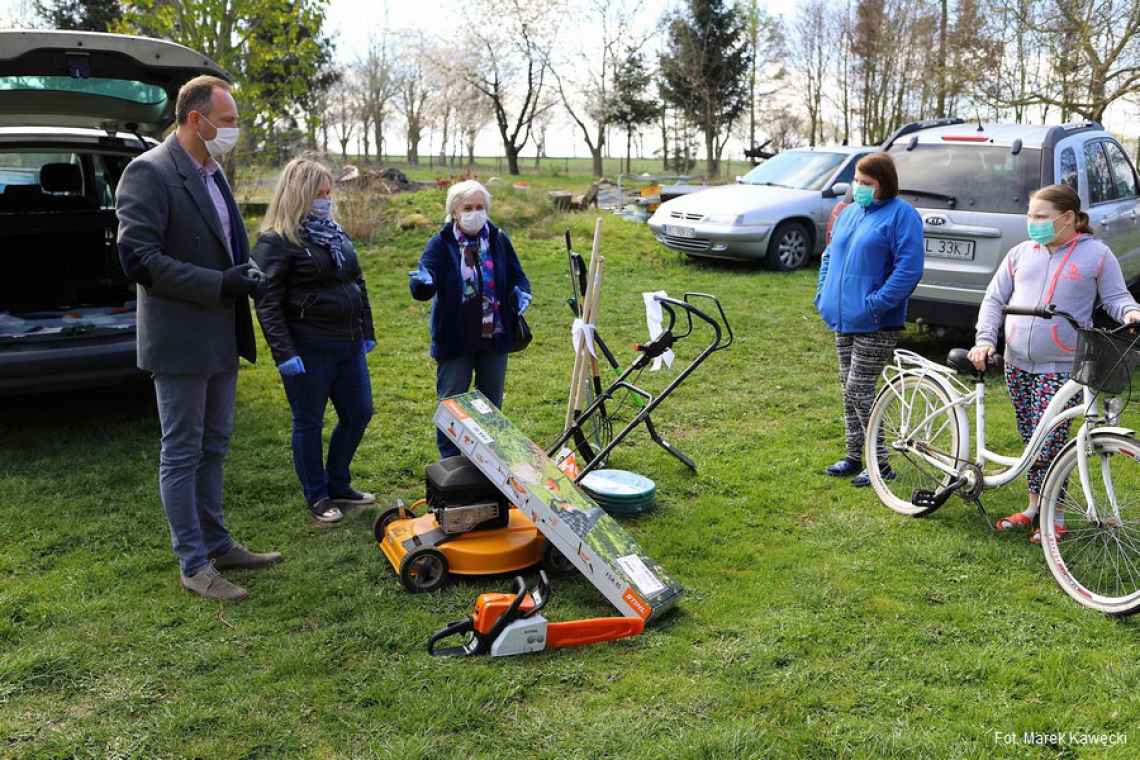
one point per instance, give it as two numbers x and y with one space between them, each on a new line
910 428
1096 562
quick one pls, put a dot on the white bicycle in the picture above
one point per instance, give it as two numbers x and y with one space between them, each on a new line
917 457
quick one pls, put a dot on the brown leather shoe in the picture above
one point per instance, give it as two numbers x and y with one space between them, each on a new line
209 583
240 557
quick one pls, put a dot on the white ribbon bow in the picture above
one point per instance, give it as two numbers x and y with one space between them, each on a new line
653 319
582 333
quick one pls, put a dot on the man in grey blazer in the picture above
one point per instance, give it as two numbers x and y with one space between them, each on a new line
181 238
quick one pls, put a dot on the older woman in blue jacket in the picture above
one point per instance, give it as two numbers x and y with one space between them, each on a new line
471 271
869 270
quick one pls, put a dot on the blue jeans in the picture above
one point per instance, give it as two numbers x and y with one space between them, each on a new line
453 376
196 413
336 370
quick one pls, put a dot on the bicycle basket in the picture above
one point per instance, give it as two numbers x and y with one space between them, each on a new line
1104 361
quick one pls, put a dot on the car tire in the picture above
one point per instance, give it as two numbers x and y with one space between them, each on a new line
789 247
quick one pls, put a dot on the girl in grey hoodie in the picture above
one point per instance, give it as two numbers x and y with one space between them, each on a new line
1061 264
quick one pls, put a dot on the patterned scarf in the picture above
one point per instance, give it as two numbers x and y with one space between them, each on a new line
476 253
325 232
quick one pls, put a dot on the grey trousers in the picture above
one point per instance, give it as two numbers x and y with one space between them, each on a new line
197 417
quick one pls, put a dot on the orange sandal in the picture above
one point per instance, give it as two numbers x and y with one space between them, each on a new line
1016 520
1035 538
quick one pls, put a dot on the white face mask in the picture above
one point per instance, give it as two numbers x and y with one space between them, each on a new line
223 143
472 222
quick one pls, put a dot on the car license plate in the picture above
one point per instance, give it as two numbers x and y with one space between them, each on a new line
677 231
949 248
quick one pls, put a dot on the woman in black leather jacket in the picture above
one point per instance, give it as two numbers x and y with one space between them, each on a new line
314 311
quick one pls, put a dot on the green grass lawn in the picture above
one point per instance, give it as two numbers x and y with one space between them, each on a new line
817 623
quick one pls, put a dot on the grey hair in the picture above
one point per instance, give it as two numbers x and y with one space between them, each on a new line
460 190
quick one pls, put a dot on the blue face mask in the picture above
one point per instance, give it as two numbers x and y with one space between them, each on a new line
864 195
1041 232
322 208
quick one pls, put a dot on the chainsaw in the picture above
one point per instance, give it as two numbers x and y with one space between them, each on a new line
505 624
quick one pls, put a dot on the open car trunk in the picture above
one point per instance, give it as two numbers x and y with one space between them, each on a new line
61 274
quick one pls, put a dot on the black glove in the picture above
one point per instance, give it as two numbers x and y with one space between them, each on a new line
239 281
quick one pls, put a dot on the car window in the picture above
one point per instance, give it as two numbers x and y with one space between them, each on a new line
23 168
108 169
967 177
798 169
848 172
121 89
1068 175
1124 180
1097 173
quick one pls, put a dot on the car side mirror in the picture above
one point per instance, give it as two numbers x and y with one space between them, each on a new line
838 190
739 180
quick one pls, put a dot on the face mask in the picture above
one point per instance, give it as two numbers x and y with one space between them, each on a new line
472 222
864 195
223 143
1042 232
322 208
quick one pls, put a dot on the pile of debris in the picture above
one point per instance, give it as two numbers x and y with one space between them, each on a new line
387 181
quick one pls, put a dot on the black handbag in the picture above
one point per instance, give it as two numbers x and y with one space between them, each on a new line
523 335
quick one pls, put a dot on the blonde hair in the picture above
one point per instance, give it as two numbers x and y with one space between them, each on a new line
460 190
300 181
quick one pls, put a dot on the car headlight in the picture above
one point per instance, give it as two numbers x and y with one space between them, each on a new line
729 219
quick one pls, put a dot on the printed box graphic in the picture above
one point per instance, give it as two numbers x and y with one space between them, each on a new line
600 548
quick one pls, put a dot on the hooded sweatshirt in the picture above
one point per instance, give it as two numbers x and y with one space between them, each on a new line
1075 278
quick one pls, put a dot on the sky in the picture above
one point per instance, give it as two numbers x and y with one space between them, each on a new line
354 22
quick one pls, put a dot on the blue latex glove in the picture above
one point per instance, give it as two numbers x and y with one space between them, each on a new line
369 345
292 367
523 298
421 276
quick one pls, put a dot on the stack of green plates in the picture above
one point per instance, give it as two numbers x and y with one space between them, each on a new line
620 492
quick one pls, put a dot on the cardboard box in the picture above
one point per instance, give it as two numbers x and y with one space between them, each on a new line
600 548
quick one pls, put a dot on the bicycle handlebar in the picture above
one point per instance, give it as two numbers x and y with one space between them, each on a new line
1047 312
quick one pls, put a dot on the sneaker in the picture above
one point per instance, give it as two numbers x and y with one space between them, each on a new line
862 480
844 468
325 511
354 498
209 583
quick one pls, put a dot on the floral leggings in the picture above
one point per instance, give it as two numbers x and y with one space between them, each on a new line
1030 394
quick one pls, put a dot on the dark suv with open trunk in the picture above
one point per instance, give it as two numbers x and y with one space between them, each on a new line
75 108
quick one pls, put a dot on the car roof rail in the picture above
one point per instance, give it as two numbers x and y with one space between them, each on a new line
916 126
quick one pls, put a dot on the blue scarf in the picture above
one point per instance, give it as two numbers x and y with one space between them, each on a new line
327 233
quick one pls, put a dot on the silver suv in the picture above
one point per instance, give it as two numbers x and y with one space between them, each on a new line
971 184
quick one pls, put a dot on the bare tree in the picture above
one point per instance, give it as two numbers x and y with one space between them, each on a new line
584 78
343 115
765 35
413 90
810 57
508 64
1095 49
377 82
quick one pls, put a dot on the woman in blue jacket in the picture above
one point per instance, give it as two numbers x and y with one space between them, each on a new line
471 270
869 270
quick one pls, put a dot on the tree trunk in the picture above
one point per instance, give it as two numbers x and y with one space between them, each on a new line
712 164
378 130
343 148
942 58
664 142
596 156
512 160
628 143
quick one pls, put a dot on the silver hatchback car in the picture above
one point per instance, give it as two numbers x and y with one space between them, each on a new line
971 184
777 213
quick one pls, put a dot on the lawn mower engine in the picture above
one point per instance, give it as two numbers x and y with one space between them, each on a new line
463 499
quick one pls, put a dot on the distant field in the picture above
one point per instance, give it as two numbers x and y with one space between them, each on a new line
574 174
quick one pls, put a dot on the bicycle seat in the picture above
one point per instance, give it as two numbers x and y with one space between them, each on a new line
959 360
